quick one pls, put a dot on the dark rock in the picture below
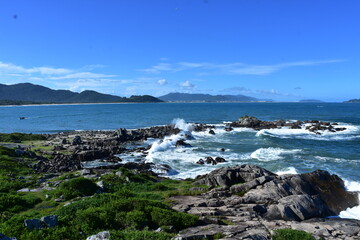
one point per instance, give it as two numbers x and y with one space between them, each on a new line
232 175
3 237
33 224
77 140
220 160
182 143
201 161
212 132
50 221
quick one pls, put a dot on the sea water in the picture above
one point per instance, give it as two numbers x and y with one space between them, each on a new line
279 150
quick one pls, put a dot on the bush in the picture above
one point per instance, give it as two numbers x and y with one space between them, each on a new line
140 235
19 137
291 234
16 202
77 187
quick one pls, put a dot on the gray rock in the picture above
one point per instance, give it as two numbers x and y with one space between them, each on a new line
3 237
105 235
33 224
50 221
77 140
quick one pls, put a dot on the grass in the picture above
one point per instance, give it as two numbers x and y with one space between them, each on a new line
20 137
132 207
291 234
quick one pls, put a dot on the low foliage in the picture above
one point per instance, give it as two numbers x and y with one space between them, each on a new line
291 234
77 187
20 137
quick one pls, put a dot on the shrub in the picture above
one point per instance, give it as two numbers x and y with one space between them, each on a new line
17 202
76 187
291 234
140 235
19 137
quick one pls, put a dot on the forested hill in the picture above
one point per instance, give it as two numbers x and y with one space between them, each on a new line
189 97
27 93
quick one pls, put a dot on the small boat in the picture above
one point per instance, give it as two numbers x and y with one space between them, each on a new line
21 118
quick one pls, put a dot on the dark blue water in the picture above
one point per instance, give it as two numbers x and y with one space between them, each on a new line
40 119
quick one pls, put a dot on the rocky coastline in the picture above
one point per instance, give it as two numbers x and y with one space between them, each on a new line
238 202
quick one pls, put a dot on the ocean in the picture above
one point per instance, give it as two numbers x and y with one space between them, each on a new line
278 150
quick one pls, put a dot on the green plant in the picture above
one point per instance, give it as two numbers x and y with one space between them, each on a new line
291 234
77 187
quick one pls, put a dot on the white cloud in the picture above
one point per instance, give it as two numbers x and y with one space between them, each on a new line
162 82
10 68
187 84
88 75
161 67
235 68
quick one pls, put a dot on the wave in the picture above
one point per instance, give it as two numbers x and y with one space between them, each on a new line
350 133
272 154
289 170
354 212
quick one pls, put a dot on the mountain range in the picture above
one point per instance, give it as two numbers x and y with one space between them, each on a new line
27 93
189 97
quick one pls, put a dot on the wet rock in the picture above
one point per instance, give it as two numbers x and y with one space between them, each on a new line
212 132
182 143
220 160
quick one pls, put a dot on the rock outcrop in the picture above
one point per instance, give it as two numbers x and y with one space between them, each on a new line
314 126
257 201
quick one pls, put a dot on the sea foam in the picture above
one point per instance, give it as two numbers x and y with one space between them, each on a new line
355 211
272 154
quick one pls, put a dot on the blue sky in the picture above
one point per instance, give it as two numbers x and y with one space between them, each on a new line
270 49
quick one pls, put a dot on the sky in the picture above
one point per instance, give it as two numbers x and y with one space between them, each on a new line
285 50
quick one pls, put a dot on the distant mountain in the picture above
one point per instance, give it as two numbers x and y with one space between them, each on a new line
189 97
311 101
27 93
353 101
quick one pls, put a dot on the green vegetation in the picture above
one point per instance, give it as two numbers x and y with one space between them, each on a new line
77 187
131 205
291 234
20 137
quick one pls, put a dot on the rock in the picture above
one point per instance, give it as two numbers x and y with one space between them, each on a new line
77 140
201 161
182 143
220 160
50 221
105 235
33 224
100 184
232 175
3 237
85 171
228 129
212 132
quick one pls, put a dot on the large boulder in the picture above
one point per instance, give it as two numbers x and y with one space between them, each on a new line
289 197
232 175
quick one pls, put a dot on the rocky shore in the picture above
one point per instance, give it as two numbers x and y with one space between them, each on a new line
254 202
239 202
